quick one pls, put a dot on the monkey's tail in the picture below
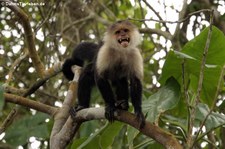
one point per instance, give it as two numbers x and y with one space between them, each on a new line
84 52
66 68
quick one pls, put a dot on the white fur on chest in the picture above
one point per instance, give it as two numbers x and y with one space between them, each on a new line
129 59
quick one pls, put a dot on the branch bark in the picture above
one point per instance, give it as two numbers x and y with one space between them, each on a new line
64 127
30 103
163 137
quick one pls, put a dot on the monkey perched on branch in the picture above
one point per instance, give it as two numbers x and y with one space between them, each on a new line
114 64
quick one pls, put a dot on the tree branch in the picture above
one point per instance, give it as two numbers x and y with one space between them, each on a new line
167 35
190 141
30 103
14 66
150 130
29 36
64 129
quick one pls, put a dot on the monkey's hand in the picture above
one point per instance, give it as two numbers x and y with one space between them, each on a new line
73 111
122 105
141 118
109 113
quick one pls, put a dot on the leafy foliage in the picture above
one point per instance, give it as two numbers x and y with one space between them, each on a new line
26 127
213 120
165 99
165 102
103 137
191 57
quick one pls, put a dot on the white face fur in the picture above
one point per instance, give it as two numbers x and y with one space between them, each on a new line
120 46
122 35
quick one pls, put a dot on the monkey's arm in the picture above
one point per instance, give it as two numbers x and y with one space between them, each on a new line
107 94
136 98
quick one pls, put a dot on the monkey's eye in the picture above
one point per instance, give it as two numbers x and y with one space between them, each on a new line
126 30
117 32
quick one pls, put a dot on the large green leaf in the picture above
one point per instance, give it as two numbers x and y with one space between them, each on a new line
215 60
109 134
92 140
191 56
216 52
132 133
32 125
172 67
213 121
103 137
165 99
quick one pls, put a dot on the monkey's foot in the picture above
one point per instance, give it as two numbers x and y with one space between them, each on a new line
122 104
73 111
141 119
109 113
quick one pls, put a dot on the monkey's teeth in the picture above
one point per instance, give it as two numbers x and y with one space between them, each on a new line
124 41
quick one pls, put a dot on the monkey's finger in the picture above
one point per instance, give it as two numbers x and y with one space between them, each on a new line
141 119
109 113
73 112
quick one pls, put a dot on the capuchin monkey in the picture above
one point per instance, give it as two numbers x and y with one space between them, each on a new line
116 67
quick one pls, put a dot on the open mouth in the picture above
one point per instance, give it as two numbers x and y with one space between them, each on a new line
124 41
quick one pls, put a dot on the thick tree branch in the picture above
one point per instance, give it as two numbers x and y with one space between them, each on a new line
150 130
30 103
64 129
167 35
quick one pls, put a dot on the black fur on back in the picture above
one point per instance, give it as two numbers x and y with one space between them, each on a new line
84 52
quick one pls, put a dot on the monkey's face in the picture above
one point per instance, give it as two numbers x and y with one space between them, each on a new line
122 37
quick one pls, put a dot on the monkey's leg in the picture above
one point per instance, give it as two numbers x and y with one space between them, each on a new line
122 94
107 94
136 97
85 85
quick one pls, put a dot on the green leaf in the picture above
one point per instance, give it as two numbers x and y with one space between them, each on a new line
132 133
76 143
172 67
31 125
104 137
165 99
109 134
216 52
191 56
92 140
213 121
183 55
214 62
88 128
